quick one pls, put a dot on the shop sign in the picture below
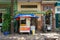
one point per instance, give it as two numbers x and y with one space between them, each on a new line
25 29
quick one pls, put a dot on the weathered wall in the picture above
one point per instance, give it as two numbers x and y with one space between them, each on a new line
29 3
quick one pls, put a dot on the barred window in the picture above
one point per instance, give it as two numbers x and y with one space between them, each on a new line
58 9
47 7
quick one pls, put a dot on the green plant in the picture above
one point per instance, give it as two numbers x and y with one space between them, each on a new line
6 22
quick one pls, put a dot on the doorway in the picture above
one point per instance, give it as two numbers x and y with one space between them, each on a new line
34 22
47 22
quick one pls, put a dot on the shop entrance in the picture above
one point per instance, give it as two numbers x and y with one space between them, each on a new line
48 22
34 22
24 23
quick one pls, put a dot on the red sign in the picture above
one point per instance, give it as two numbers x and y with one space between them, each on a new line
24 28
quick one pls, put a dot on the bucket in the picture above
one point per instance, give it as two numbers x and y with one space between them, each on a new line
6 33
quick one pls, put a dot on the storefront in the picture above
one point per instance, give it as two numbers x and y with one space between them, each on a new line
50 5
25 22
57 14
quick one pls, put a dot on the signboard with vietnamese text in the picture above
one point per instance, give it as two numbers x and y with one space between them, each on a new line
26 26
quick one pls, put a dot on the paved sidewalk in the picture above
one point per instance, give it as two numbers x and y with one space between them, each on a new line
22 37
37 36
55 36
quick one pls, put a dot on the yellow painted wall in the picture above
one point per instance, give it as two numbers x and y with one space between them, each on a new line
37 9
29 3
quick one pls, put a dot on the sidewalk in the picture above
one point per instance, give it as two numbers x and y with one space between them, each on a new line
55 36
37 36
22 37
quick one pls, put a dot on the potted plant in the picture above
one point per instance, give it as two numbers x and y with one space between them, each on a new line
6 24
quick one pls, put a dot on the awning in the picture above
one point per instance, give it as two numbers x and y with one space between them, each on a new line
25 15
30 12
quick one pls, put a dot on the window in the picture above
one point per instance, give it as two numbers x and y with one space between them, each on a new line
28 6
58 9
47 7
